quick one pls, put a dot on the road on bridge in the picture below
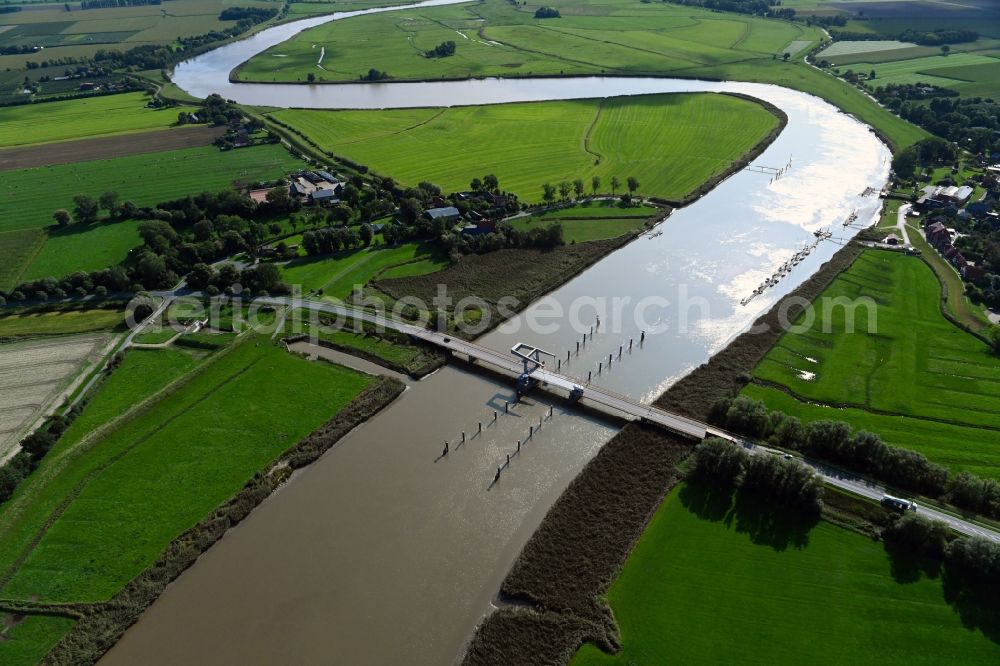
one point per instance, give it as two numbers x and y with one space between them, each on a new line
625 405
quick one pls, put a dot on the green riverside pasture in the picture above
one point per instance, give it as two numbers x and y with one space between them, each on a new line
19 248
60 322
968 73
604 219
148 479
336 275
698 591
610 34
81 33
81 119
619 37
671 143
917 379
25 643
83 248
28 197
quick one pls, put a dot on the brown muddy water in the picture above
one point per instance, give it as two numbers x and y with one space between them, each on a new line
381 552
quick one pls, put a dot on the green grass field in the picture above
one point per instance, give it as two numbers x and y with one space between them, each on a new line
959 71
60 322
606 219
146 480
29 196
610 34
698 591
917 380
25 643
336 275
81 119
19 248
155 336
89 248
81 33
400 355
671 143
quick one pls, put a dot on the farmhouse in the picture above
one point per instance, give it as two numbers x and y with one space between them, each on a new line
938 196
326 197
316 187
447 214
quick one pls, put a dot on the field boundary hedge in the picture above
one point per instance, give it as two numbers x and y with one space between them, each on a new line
101 625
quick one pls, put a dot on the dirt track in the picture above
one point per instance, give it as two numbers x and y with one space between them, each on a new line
83 150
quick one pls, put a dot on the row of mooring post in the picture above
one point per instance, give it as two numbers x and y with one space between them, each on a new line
479 430
532 430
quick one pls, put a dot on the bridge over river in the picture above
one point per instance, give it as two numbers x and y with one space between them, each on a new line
620 405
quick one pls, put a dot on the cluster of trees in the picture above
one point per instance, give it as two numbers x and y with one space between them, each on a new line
111 280
374 75
326 241
108 4
260 280
972 122
931 151
860 451
33 449
969 562
505 236
922 37
442 50
546 13
788 483
87 209
254 14
215 110
827 21
17 49
986 292
753 7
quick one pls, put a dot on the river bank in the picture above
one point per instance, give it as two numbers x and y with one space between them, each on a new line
100 625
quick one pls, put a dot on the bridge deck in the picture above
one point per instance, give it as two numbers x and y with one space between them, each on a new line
591 393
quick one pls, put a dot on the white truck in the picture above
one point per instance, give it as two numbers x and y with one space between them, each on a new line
898 504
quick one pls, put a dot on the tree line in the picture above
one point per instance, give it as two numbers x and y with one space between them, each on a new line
859 451
108 4
577 188
787 483
971 564
922 37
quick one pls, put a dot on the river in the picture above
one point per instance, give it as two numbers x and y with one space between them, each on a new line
382 552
